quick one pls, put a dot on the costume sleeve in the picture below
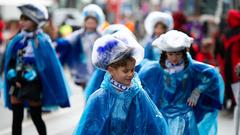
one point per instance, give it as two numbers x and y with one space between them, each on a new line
210 84
62 48
93 119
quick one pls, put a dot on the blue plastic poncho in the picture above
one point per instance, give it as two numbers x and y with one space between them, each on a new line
171 91
109 112
55 89
97 78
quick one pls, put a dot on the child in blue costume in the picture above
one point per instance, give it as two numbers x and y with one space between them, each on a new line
33 74
120 106
188 93
155 24
98 75
75 50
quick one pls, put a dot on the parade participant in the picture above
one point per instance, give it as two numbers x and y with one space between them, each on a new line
155 24
98 75
120 106
33 74
188 93
76 49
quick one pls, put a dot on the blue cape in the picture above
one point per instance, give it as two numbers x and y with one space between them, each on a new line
171 91
109 112
55 89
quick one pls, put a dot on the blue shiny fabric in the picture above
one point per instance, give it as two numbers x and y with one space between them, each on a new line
55 89
150 52
97 78
71 52
171 91
94 82
109 112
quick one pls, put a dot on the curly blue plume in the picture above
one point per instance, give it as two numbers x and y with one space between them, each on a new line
108 47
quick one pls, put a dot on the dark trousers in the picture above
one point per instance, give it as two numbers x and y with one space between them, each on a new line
36 116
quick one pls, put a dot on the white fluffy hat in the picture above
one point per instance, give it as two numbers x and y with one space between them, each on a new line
94 11
173 41
156 16
111 48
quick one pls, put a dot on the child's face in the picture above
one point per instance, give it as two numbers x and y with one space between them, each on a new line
159 29
174 57
26 23
123 74
90 24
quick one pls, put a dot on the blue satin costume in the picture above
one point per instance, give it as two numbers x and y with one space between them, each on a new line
171 91
55 89
109 112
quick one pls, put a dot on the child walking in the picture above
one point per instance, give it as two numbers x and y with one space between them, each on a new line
188 93
120 106
33 74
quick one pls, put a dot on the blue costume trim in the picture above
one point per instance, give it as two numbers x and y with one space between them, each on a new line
109 112
55 89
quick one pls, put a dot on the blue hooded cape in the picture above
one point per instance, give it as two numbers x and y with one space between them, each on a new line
109 112
171 91
55 89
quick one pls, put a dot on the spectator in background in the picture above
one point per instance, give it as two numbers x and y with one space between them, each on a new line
2 25
205 54
231 41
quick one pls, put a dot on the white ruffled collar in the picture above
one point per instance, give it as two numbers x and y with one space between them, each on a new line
118 85
30 34
174 68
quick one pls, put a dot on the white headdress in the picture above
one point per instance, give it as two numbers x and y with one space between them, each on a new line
95 11
37 13
173 41
156 16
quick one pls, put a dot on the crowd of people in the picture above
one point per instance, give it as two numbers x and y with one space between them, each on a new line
174 81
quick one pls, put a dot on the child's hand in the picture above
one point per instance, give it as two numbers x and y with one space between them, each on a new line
18 85
193 99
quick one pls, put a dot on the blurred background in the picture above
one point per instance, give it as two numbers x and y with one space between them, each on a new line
205 20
